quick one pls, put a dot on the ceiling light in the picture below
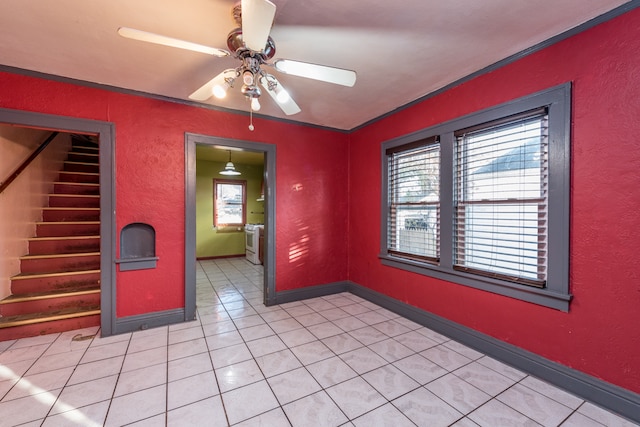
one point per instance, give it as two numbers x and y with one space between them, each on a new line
255 104
247 77
220 91
229 168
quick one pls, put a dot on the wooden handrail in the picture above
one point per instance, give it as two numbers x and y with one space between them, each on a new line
27 162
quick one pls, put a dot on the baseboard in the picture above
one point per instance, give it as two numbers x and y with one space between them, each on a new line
149 320
311 292
594 390
205 258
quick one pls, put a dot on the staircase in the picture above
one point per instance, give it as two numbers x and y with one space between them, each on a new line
58 288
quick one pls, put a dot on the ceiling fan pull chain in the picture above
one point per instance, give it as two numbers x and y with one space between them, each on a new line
251 128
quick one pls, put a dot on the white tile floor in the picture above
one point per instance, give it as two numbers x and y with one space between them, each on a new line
332 361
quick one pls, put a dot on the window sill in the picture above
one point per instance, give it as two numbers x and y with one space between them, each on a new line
543 297
229 228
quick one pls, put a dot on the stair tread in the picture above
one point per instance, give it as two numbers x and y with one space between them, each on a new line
74 237
27 319
24 276
90 184
60 255
68 222
65 292
81 173
74 195
69 208
80 163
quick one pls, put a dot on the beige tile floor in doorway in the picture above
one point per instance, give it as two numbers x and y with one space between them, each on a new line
331 361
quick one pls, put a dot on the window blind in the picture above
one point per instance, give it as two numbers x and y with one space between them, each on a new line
500 175
413 225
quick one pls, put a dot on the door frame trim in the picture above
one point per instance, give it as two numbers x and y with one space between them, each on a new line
269 150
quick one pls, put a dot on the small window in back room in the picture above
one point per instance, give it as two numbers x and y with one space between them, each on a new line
229 202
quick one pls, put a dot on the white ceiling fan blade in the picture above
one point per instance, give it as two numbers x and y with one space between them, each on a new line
257 19
334 75
206 91
280 95
145 36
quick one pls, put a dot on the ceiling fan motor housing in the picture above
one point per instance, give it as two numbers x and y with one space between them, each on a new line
237 47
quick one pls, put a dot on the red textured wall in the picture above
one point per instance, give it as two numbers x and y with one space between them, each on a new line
600 334
311 183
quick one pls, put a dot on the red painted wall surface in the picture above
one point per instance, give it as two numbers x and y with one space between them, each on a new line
311 190
600 335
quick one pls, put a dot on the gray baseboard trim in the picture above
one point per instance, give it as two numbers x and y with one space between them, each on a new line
311 292
598 392
608 396
149 320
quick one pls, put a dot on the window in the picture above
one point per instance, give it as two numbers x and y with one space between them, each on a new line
414 200
500 199
483 200
229 202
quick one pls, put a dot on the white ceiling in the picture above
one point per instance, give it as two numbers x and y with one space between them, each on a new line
214 153
401 51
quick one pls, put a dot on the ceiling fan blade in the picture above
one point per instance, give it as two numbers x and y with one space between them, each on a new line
323 73
280 95
257 19
206 91
145 36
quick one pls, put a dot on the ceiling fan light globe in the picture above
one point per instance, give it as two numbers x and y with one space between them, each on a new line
255 104
247 78
219 91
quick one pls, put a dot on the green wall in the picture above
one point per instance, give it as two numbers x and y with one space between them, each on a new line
210 242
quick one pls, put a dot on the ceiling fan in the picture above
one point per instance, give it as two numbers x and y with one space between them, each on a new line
252 45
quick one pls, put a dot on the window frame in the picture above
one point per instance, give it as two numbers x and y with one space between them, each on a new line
242 183
556 293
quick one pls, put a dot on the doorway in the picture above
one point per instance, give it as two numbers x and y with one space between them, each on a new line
105 134
269 153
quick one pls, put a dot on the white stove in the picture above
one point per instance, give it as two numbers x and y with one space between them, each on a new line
252 242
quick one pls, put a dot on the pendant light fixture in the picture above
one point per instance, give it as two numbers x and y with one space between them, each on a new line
229 169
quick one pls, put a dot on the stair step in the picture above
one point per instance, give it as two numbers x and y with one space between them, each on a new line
15 327
75 156
74 200
67 228
70 176
54 281
53 263
38 302
81 167
84 141
76 188
58 214
78 148
64 244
